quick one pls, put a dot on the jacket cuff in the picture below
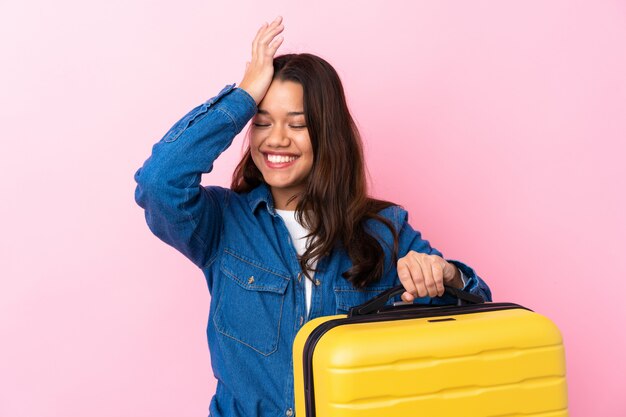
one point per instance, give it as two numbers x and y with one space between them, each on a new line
236 103
474 283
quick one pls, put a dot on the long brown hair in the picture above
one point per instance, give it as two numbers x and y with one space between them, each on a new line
335 204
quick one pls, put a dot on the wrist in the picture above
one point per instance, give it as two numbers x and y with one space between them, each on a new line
456 281
247 89
247 92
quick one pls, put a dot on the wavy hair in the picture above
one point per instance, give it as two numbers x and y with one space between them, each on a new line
335 204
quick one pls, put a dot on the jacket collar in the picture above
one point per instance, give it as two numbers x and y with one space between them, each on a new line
261 194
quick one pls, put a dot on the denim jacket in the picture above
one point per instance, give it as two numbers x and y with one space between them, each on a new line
250 264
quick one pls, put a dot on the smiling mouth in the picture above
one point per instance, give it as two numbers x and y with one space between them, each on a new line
280 159
277 161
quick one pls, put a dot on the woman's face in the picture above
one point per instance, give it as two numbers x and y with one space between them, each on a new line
279 142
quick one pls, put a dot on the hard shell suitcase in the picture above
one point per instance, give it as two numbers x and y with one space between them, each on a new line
470 360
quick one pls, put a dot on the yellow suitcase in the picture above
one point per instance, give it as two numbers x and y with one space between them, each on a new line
469 360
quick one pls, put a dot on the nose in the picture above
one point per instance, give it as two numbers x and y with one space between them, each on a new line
277 137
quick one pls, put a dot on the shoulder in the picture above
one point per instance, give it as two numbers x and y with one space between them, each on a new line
239 200
393 213
221 195
217 192
396 213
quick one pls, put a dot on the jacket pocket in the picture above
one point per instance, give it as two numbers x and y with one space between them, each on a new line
250 304
348 296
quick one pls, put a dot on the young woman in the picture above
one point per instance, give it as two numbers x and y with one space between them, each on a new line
296 236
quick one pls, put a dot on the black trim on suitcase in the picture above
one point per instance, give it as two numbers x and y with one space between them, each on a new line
404 312
376 303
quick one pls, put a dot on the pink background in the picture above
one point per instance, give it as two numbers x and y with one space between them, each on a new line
500 126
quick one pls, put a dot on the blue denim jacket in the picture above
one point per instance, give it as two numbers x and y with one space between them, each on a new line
251 268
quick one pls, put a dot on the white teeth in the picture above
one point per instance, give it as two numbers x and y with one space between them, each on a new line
278 159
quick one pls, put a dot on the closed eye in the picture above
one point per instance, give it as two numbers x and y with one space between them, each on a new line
268 125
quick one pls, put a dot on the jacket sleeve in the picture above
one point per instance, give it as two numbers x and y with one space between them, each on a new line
178 210
411 239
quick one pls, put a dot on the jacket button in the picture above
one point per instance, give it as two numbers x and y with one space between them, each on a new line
317 282
289 413
299 276
301 320
251 280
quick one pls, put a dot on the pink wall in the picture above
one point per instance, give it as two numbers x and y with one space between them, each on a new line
499 125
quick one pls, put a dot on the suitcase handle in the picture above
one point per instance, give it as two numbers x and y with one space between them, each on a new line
380 300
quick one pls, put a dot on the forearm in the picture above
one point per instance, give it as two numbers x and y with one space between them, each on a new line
193 143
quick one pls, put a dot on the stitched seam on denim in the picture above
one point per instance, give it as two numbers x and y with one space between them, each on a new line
190 217
217 251
222 330
192 118
244 343
275 289
211 260
395 218
374 289
256 264
227 114
202 113
280 318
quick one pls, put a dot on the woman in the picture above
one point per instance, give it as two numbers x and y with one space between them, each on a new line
296 236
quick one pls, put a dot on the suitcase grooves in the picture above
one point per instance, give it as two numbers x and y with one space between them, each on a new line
397 313
430 360
452 392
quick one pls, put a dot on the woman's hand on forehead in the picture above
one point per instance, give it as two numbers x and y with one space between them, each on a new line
260 69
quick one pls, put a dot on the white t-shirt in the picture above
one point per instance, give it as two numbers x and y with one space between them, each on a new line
298 233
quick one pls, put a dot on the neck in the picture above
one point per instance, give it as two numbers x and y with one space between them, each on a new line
285 199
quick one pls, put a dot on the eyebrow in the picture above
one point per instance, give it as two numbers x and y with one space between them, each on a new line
291 113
